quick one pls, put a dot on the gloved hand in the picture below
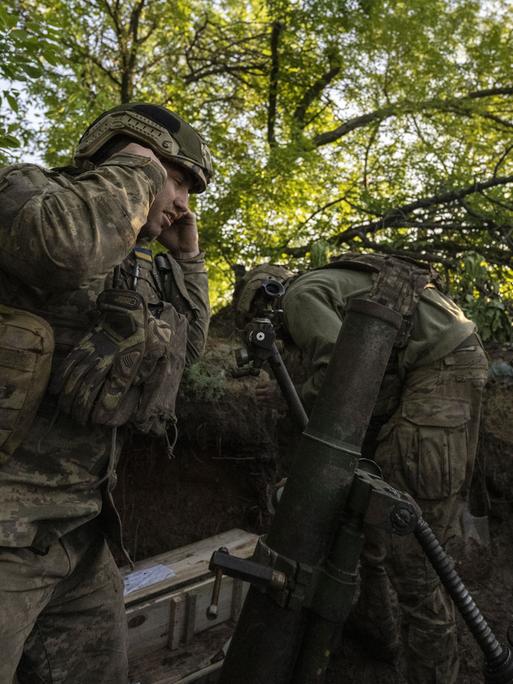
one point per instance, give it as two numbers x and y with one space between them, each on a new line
158 380
94 379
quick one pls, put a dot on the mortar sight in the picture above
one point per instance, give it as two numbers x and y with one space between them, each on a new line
272 288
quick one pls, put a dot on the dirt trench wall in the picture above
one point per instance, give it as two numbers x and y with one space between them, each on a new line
496 441
217 478
231 447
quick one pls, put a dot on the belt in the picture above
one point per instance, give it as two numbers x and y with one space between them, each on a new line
469 343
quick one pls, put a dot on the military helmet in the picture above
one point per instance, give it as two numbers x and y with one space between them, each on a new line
250 283
167 134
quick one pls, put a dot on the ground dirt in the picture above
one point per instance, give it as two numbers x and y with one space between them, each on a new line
231 447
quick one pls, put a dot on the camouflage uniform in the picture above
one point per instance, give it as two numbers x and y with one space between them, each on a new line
60 238
423 435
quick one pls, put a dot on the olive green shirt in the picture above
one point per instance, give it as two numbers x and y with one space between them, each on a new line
313 310
61 236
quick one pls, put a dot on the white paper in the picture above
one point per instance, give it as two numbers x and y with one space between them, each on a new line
145 578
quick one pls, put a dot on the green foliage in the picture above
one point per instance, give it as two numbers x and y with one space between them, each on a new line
486 295
319 254
203 382
28 46
490 316
334 124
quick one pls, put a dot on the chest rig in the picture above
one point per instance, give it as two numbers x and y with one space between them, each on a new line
157 278
397 282
137 273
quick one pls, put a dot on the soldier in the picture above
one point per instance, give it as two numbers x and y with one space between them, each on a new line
423 434
94 336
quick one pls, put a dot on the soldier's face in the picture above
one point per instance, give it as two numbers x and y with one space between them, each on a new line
171 203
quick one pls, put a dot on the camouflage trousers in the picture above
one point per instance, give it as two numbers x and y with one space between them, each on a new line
62 619
428 449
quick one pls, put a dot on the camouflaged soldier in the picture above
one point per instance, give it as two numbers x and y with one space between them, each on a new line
423 435
94 335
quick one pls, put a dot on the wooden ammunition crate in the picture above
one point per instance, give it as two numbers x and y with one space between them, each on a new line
171 640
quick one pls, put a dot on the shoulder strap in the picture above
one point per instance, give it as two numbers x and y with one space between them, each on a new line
397 282
173 281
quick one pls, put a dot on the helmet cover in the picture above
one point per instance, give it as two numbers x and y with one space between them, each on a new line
166 133
249 285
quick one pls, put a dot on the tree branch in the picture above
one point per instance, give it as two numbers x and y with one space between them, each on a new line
455 104
423 256
273 81
234 70
489 92
396 217
399 217
313 92
370 142
127 77
114 15
502 158
87 54
352 124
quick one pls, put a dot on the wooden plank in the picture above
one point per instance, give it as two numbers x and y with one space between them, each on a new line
188 563
176 611
167 619
191 600
170 612
200 675
187 664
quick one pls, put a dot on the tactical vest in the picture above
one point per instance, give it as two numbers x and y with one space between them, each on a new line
139 272
27 345
397 282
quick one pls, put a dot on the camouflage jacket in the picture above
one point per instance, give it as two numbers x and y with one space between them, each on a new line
313 311
61 236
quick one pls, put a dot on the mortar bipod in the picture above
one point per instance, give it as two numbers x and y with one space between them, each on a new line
260 346
293 585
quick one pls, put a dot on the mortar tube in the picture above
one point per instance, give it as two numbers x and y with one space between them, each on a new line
268 638
323 634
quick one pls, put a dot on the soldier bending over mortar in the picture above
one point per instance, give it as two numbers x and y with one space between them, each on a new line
423 434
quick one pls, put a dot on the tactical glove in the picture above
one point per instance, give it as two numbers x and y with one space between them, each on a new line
159 377
94 379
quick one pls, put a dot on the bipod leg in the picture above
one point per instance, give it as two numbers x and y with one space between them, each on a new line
287 387
498 658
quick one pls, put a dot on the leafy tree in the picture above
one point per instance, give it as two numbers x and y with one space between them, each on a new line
25 53
363 124
486 296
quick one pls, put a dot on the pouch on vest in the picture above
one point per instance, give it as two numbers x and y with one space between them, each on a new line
26 349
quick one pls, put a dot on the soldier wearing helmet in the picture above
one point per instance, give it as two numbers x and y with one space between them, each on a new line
248 288
95 332
423 434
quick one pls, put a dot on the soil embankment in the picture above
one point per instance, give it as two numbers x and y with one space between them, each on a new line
231 447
